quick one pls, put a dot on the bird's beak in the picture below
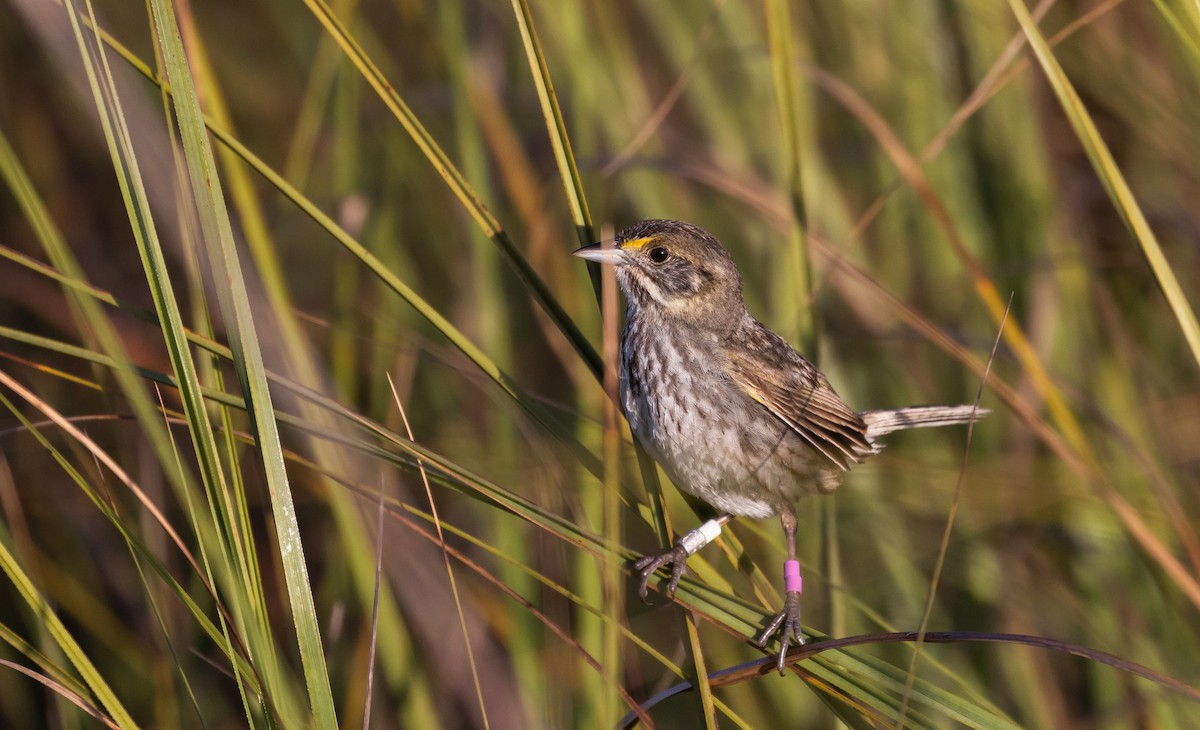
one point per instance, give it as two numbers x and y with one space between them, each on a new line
599 253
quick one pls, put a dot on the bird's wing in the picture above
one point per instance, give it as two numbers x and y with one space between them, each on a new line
768 370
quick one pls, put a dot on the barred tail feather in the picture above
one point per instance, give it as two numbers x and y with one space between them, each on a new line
880 423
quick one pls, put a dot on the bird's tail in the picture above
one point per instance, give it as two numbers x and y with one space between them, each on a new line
880 423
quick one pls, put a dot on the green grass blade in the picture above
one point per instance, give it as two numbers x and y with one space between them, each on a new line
239 319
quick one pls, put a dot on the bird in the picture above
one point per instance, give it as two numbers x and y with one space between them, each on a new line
732 413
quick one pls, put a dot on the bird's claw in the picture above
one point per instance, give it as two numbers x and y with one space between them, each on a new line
676 557
787 622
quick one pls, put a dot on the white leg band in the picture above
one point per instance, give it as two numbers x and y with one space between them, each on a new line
699 537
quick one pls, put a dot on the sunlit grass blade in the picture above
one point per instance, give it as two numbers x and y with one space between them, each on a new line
300 361
228 539
1190 37
446 556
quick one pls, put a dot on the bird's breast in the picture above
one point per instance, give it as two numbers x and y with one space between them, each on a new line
710 438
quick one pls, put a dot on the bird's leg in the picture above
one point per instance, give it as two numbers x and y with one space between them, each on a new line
677 556
787 620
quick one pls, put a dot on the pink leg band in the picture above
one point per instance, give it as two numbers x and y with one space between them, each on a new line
791 576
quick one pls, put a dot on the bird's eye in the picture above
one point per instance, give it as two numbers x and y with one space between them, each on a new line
658 254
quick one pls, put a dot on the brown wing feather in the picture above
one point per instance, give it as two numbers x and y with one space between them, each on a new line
768 370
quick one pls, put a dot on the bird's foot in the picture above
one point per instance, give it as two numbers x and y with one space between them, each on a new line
676 557
787 622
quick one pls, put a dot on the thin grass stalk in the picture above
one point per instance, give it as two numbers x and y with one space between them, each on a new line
576 599
227 506
948 531
468 79
165 697
559 631
1189 38
610 585
233 509
322 77
62 694
698 672
612 578
458 607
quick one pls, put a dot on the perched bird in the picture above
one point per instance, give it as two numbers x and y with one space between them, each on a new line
733 414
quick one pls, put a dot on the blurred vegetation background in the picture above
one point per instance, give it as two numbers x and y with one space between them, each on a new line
380 228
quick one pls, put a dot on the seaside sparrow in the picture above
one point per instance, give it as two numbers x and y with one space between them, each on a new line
733 413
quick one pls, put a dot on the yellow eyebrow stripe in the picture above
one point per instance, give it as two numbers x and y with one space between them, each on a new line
637 242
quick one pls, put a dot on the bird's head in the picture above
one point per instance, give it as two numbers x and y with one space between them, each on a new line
674 269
